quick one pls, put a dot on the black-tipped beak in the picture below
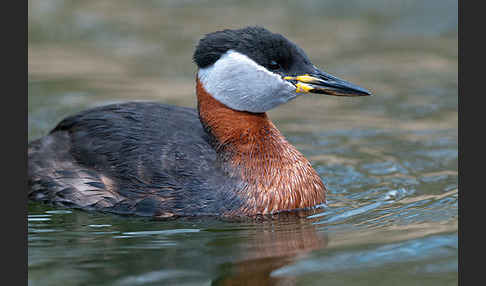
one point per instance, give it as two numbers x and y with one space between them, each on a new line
324 83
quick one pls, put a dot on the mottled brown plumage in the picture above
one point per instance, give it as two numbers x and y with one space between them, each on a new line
278 176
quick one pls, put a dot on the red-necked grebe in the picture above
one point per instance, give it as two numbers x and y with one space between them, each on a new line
224 159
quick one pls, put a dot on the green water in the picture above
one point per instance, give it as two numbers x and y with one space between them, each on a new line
390 161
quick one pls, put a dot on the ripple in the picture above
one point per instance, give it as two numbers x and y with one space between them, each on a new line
38 215
438 246
162 275
159 232
33 230
32 219
387 198
384 168
59 212
99 225
348 214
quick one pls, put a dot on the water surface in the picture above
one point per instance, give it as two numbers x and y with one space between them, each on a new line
389 161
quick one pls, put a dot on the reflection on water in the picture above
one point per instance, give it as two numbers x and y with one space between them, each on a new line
269 246
389 161
244 253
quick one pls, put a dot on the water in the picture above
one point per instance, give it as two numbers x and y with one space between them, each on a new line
390 161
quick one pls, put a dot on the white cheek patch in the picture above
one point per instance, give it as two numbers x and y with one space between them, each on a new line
241 84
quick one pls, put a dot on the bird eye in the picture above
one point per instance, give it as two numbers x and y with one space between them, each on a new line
274 65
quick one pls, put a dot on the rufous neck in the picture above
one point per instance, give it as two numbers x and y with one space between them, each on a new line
231 129
278 176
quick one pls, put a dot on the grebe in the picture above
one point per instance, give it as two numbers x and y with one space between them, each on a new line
224 159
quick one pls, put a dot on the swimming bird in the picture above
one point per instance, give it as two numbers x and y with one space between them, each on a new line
224 159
